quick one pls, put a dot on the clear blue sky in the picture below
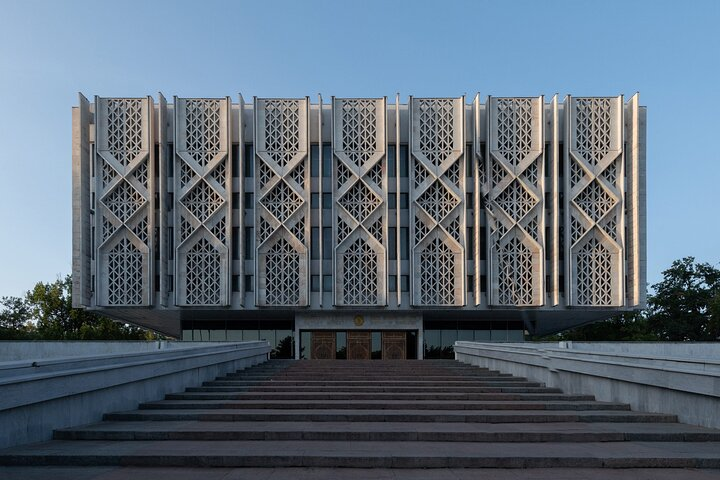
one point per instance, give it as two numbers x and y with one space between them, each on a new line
669 51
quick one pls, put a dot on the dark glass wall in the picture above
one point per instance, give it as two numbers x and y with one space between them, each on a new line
278 333
441 335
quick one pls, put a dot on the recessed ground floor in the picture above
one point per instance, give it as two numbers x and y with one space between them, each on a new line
356 336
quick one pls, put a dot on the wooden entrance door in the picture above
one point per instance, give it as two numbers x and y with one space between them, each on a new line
359 345
323 346
394 345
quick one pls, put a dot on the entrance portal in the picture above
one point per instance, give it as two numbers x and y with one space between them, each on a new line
359 344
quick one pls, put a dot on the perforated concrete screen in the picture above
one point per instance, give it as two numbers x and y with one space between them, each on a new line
512 209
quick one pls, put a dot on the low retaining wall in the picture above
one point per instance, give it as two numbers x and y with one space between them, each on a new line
40 395
676 378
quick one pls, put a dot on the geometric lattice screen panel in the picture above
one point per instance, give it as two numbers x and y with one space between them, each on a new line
125 189
594 182
513 184
202 215
437 195
282 208
360 201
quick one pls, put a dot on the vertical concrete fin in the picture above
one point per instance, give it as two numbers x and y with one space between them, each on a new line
81 208
634 158
163 194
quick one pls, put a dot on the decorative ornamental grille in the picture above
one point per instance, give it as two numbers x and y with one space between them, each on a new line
360 207
594 204
123 220
202 207
437 192
282 208
513 184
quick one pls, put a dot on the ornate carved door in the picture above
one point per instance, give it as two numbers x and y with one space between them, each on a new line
359 345
394 345
323 346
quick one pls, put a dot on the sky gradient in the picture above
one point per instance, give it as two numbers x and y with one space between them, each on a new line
50 50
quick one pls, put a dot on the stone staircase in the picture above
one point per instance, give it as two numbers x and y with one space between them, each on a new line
378 414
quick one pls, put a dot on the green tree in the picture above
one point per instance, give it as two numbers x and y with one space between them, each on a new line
15 319
686 303
46 313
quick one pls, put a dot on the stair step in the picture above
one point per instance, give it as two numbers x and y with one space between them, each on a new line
435 416
269 387
369 454
391 431
343 395
415 383
383 405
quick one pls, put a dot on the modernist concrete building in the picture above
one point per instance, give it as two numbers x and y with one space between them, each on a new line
359 227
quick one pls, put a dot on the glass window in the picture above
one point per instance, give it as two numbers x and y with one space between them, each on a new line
314 200
305 345
327 160
235 243
404 283
469 160
269 336
341 345
392 243
314 283
249 160
327 243
249 199
404 201
433 347
392 283
315 160
236 283
283 345
482 335
391 160
470 243
465 335
411 344
249 248
327 200
249 283
234 335
392 201
327 283
249 335
376 346
315 243
404 243
516 336
403 160
235 160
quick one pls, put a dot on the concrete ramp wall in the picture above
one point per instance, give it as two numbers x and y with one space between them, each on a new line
46 391
676 378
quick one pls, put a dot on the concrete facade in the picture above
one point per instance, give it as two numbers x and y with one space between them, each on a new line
206 209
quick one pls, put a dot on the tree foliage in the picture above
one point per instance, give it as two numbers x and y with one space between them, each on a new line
46 313
685 306
685 303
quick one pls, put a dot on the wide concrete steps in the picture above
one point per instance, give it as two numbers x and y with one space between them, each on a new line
349 395
431 416
384 405
373 454
377 414
392 431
